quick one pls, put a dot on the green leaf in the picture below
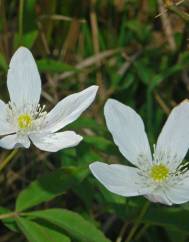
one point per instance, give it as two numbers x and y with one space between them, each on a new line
99 142
108 196
28 39
35 232
176 235
175 218
142 31
29 15
145 73
157 79
54 66
9 222
86 122
49 186
3 62
72 223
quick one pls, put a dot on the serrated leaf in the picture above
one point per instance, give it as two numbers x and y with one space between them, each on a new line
75 225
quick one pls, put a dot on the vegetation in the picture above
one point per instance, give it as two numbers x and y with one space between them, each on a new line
137 52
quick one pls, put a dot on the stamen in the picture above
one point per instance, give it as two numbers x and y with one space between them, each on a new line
24 121
159 172
28 118
182 168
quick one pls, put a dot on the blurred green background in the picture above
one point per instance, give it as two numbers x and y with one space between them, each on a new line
137 52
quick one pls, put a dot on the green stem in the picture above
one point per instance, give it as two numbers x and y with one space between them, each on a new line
8 215
141 232
20 20
137 223
8 159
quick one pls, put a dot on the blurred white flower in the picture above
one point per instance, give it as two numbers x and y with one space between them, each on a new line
162 178
23 119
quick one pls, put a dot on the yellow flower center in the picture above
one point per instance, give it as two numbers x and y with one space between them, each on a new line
159 172
24 121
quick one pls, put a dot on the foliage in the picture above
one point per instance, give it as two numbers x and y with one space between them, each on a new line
134 57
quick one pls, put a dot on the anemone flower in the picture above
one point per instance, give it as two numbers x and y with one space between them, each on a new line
23 120
163 177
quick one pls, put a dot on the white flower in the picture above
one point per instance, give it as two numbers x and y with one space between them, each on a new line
23 119
162 178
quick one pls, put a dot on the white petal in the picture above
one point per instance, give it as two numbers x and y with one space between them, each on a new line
56 141
23 80
128 131
119 179
179 193
158 196
69 109
173 141
14 141
3 110
5 126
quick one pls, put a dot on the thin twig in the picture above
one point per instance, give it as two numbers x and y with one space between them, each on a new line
180 13
20 19
60 17
165 11
43 38
167 25
95 39
162 103
89 62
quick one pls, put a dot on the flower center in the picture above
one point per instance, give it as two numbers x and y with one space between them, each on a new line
159 172
24 121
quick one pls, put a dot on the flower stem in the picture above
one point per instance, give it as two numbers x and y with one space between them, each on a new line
135 227
141 232
8 159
